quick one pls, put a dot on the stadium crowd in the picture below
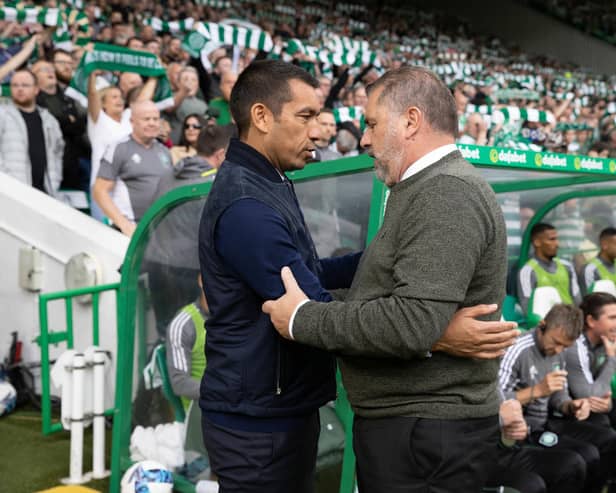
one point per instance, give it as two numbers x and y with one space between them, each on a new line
125 100
504 97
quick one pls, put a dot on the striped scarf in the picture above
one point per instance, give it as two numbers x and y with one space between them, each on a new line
513 113
224 34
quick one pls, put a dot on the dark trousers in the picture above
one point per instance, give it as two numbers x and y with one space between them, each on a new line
258 462
534 469
418 455
580 435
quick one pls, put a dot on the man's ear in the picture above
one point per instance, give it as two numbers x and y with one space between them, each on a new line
413 120
261 117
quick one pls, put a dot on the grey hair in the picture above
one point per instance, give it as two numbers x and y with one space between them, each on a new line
419 87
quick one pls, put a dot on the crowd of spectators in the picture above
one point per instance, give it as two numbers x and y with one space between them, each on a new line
57 139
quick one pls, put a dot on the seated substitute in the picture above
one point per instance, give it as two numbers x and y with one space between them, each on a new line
544 268
532 371
602 266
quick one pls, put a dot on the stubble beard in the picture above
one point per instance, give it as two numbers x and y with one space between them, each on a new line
390 159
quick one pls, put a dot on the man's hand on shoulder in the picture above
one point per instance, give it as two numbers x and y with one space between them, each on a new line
282 309
470 338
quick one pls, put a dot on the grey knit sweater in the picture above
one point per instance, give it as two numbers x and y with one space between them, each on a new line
442 247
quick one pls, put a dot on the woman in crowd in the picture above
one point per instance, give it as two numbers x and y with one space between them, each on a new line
191 127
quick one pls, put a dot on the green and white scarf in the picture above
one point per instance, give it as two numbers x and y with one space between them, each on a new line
224 34
30 15
215 4
172 27
513 113
119 59
330 58
350 114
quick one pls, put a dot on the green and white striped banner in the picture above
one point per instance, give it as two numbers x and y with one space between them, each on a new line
358 26
224 34
333 58
215 4
285 9
314 10
30 15
484 109
509 94
513 113
173 27
351 8
343 44
348 114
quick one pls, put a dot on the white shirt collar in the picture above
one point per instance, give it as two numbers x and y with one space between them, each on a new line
428 159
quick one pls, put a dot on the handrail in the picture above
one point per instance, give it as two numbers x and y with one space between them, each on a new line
46 338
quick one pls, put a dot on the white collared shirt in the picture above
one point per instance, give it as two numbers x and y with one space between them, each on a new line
428 159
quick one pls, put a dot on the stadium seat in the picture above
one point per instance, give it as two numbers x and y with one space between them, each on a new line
174 400
511 310
541 300
603 286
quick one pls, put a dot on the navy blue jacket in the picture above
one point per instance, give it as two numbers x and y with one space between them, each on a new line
252 226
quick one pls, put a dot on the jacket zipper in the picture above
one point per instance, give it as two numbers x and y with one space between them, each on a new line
278 368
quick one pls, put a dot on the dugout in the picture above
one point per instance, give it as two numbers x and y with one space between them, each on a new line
343 205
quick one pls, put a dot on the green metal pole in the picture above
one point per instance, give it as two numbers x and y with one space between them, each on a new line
68 305
95 318
44 344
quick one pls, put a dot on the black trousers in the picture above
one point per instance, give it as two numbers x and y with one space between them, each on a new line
417 455
535 469
580 435
256 462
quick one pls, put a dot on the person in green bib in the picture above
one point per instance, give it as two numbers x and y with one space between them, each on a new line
545 269
602 266
185 349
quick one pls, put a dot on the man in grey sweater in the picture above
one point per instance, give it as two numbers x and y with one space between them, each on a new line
425 420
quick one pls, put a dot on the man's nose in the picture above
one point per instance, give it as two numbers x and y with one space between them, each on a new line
314 132
365 140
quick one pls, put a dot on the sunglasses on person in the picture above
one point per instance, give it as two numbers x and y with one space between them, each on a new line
195 126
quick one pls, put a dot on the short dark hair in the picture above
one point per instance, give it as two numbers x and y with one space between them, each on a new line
593 304
28 71
420 87
539 228
569 318
607 232
266 82
213 138
137 38
221 57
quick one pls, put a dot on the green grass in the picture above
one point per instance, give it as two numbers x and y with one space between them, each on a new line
31 462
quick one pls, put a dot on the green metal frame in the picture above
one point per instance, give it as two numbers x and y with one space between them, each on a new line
131 267
46 338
